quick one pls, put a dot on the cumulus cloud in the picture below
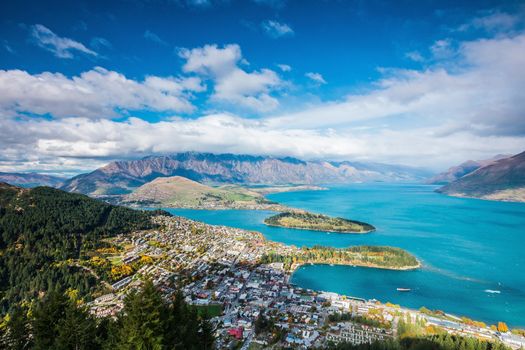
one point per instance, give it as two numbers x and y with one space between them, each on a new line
60 46
467 105
97 93
80 143
315 77
482 92
233 84
276 30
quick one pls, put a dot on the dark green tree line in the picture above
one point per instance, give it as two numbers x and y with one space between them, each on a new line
146 322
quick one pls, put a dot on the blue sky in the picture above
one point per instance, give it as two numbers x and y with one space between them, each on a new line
424 83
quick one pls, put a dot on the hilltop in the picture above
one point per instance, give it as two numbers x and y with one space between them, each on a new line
180 192
122 177
502 180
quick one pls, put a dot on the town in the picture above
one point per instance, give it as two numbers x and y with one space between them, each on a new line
253 305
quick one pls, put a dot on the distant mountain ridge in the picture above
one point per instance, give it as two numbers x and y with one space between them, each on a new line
123 176
458 171
503 179
30 179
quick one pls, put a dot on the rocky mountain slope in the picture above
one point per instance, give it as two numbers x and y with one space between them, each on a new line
30 179
123 176
503 180
458 171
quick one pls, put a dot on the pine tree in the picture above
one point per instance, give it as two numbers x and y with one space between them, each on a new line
17 335
46 316
77 330
141 321
206 337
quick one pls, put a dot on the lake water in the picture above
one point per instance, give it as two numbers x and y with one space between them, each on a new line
473 251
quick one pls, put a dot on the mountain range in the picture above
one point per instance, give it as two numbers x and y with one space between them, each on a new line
123 177
30 179
503 179
458 171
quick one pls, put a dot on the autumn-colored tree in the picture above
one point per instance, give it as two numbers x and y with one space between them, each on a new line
502 327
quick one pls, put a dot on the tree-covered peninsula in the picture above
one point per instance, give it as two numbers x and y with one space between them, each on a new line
317 222
368 256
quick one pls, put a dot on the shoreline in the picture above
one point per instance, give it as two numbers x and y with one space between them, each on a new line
319 230
295 267
368 266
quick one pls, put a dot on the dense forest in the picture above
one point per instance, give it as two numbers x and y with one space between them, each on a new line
379 256
43 230
318 222
59 321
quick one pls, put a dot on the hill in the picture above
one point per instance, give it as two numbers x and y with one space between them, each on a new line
43 230
180 192
458 171
30 179
123 177
503 180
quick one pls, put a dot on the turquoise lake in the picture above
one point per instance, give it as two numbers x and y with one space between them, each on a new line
473 251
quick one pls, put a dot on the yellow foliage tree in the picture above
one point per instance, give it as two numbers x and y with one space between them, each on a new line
502 327
118 272
145 259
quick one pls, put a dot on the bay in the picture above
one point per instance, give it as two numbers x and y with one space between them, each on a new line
473 251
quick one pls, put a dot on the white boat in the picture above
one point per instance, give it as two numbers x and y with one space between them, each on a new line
403 289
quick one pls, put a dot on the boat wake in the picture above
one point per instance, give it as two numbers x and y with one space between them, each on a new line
492 291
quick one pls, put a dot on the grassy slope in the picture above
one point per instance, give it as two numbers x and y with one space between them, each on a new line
178 191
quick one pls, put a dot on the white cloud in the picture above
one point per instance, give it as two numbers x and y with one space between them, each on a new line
8 47
284 67
99 43
467 105
276 29
316 77
442 49
483 92
415 56
233 85
149 35
62 47
80 143
97 93
492 22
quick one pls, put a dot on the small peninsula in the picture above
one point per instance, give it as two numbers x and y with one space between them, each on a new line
382 257
317 222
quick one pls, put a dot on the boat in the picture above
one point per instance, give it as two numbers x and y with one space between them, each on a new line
404 289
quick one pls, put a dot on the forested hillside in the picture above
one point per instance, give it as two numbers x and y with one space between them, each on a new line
43 229
61 322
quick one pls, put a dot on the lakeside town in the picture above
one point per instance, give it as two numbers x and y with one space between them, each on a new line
253 305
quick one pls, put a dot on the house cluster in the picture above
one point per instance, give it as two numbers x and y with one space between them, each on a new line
355 333
218 267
